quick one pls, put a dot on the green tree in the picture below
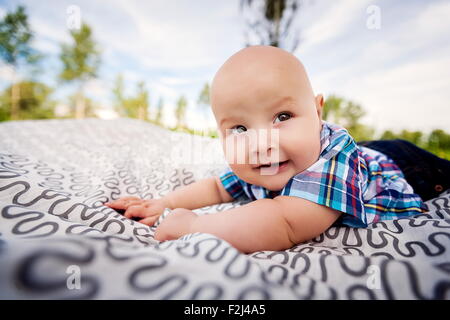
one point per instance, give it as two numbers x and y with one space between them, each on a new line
204 101
388 135
180 112
347 114
16 50
89 107
437 142
137 106
439 139
34 103
415 137
142 103
333 109
159 112
119 96
269 22
132 107
81 60
203 98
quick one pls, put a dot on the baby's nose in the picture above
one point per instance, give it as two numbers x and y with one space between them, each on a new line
261 153
263 141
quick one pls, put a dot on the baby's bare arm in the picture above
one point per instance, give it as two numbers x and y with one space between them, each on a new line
268 224
202 193
258 225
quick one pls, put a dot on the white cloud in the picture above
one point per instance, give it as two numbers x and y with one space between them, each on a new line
328 20
435 19
177 35
7 73
201 119
45 45
173 81
399 74
168 92
419 32
48 29
413 95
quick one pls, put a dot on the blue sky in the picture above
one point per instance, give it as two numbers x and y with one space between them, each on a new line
399 73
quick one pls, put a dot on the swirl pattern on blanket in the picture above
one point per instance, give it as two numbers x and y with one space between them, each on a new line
57 240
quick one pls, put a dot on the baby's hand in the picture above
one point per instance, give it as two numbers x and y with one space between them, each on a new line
148 210
175 225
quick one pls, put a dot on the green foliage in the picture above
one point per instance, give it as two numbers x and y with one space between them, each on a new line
439 139
15 39
212 133
34 103
415 137
203 98
80 59
437 142
141 103
159 113
89 106
388 135
132 107
180 112
347 114
119 96
15 49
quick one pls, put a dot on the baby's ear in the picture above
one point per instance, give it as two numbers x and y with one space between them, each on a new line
319 105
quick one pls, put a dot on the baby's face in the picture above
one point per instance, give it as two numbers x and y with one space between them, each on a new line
265 89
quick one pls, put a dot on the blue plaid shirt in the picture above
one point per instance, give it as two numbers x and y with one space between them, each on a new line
364 184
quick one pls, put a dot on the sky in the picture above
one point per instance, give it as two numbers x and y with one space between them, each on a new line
391 57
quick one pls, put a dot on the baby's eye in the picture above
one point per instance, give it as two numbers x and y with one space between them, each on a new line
237 129
283 116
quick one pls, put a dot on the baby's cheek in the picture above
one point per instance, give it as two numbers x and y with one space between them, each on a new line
308 156
240 169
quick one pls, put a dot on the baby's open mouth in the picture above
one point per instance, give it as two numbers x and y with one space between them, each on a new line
277 164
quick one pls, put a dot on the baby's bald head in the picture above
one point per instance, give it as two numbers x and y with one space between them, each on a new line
255 69
263 89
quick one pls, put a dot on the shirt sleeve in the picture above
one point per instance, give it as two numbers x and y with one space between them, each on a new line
233 184
333 181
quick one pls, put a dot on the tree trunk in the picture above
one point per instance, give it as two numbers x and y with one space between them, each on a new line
276 41
141 113
80 105
15 97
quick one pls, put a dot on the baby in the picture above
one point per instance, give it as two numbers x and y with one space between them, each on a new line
311 176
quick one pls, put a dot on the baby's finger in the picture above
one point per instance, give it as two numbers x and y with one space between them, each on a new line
149 220
127 198
123 203
135 211
113 203
130 198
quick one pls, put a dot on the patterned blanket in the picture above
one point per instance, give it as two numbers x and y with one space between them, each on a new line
57 240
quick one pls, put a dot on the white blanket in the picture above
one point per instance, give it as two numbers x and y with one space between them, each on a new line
58 241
